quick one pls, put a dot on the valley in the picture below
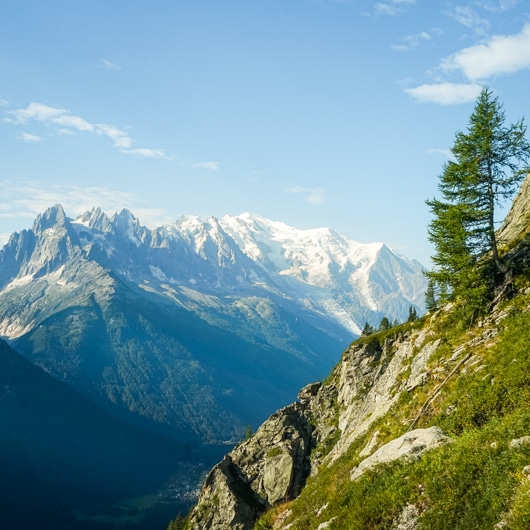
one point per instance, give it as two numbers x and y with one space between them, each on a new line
185 337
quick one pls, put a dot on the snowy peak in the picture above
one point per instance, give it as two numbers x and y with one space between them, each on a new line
313 256
349 280
208 239
317 270
95 219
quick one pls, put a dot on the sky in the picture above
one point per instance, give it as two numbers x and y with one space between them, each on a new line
336 113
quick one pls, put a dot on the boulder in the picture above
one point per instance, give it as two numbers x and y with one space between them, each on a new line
409 446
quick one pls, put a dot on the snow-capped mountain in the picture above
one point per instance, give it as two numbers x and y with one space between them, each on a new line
349 281
199 327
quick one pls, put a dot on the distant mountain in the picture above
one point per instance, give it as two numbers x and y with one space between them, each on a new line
59 451
197 328
348 281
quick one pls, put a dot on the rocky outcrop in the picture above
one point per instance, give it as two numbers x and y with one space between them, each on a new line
409 446
273 465
270 467
517 221
370 379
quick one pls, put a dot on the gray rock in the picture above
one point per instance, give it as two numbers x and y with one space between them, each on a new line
267 469
308 392
516 222
369 447
326 524
368 382
519 443
408 518
409 446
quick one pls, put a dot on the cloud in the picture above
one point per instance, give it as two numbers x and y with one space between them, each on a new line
25 200
445 153
411 41
73 122
391 8
211 166
37 111
68 123
108 65
499 55
3 102
147 153
445 93
30 138
502 54
497 6
312 195
120 138
468 17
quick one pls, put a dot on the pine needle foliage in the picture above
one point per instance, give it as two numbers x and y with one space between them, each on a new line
489 162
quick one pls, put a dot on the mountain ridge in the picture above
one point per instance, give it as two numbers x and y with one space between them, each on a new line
152 324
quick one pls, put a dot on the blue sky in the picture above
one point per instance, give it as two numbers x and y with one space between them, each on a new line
334 113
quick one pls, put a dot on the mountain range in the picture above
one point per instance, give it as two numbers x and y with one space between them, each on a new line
198 328
146 353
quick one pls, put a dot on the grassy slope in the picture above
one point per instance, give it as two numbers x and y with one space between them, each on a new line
474 482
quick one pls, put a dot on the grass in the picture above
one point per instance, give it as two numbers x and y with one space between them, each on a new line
472 483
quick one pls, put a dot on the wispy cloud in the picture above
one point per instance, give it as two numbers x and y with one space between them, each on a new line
108 65
3 102
445 93
468 17
146 153
30 138
211 166
67 123
411 41
391 8
497 6
502 54
25 200
312 195
444 153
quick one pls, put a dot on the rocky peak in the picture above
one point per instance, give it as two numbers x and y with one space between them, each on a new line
127 225
53 217
95 219
45 248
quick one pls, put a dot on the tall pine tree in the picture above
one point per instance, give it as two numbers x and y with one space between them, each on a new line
490 160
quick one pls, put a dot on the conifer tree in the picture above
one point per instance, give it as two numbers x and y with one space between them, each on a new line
430 296
490 160
385 324
367 330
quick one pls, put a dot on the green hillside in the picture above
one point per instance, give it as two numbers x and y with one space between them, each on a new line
476 481
425 425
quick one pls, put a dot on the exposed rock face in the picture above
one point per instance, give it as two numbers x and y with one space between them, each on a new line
270 467
409 446
369 382
273 465
517 221
408 519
